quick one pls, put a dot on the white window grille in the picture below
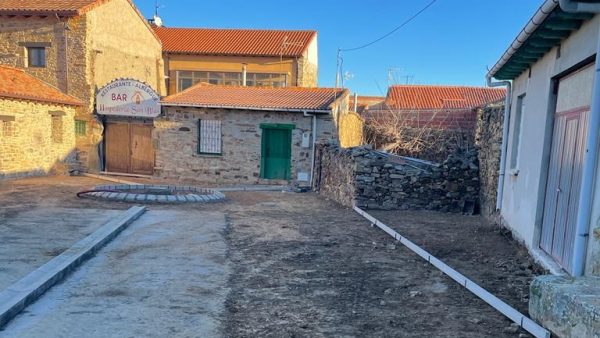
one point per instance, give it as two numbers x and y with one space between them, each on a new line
209 137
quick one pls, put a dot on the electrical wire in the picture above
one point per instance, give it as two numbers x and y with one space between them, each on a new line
390 32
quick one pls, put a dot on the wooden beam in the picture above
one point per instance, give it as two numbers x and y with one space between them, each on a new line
553 34
565 25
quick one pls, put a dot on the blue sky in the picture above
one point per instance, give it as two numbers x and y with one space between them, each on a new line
451 43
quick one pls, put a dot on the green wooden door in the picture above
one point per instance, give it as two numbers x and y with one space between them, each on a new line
276 154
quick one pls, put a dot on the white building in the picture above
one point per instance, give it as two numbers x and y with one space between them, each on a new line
548 192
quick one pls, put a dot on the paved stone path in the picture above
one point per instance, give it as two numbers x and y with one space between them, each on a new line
32 237
163 276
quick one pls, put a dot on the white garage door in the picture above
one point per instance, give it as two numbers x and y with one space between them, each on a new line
566 162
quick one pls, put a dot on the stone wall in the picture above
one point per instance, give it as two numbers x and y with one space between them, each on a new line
488 140
32 140
375 180
176 136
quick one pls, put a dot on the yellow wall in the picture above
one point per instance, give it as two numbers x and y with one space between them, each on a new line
27 146
351 127
174 62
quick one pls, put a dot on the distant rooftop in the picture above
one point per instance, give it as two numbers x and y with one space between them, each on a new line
247 42
419 97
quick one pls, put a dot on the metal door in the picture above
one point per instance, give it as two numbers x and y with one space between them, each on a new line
276 153
564 174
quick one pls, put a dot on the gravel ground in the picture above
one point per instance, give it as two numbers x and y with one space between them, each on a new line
302 266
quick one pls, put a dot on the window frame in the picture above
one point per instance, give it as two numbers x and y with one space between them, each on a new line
225 78
199 150
34 57
80 128
517 133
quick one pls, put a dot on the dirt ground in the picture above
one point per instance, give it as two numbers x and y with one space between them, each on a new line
302 266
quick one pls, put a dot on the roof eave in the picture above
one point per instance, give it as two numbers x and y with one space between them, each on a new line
292 110
37 99
545 30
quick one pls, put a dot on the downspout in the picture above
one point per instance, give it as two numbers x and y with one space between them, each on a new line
505 127
590 157
244 74
314 142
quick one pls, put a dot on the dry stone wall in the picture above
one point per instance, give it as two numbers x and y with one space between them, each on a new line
375 180
489 144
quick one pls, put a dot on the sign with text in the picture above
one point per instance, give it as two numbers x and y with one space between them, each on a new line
127 97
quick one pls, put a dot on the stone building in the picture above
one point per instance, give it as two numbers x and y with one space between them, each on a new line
245 134
78 46
37 132
239 57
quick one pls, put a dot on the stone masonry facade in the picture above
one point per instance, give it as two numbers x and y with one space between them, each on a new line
35 138
374 180
176 141
488 139
109 41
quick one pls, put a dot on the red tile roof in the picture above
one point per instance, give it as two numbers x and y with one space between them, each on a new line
257 98
15 83
248 42
45 7
405 97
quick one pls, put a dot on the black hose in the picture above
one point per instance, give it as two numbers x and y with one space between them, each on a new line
81 193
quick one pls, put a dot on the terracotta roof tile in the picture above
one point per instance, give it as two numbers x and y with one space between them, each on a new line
404 97
249 42
15 83
258 98
60 7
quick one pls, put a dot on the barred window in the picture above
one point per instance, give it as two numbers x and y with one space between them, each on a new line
209 137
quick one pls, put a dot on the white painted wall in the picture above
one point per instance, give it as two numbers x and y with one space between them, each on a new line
522 206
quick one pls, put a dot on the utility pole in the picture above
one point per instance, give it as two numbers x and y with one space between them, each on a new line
337 68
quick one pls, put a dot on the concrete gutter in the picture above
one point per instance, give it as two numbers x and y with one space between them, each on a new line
27 290
513 314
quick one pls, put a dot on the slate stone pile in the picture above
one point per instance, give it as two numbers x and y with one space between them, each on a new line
375 180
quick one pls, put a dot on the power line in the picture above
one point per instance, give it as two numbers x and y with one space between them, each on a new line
392 31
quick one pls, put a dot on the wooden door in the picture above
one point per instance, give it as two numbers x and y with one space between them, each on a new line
142 151
117 147
276 153
128 148
566 162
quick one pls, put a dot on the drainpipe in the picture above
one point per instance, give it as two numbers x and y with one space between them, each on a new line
244 69
355 102
590 156
313 135
505 126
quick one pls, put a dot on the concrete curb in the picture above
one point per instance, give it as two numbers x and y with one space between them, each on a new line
24 292
255 188
106 178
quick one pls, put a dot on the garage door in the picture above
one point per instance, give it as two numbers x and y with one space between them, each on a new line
566 163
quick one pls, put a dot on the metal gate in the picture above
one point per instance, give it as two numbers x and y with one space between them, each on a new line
566 161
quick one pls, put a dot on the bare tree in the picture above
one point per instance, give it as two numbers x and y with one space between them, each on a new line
431 134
